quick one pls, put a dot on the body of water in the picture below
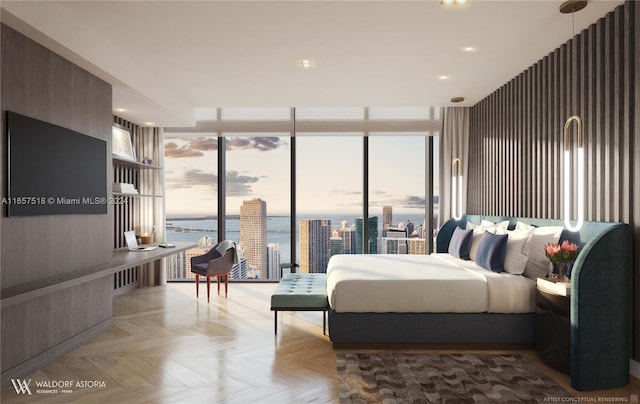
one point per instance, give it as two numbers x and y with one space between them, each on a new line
278 228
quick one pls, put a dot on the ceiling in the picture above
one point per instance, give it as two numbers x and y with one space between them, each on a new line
167 58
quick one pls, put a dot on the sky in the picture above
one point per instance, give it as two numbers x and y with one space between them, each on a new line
329 173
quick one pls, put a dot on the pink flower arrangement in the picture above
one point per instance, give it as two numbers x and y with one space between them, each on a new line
565 252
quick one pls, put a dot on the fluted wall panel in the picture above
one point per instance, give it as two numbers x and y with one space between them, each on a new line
517 132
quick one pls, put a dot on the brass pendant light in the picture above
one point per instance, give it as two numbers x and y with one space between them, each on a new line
572 6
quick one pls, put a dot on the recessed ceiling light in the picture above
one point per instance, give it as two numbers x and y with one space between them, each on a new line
149 123
121 110
306 63
443 77
454 2
469 49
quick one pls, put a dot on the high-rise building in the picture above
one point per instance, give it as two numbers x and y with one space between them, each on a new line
373 235
253 233
178 266
398 231
387 218
273 262
418 246
348 236
241 269
335 246
410 228
314 245
403 245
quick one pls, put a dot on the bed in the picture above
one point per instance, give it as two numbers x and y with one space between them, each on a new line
436 283
387 299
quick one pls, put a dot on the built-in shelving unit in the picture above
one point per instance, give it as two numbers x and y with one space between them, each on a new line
142 210
136 195
134 164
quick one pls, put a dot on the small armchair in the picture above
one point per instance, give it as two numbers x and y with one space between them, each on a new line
212 264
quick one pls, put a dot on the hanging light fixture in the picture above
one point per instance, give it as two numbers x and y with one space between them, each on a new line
456 189
572 6
567 174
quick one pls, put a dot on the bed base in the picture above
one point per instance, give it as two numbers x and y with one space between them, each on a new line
432 328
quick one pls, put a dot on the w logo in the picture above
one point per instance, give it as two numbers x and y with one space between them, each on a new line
21 386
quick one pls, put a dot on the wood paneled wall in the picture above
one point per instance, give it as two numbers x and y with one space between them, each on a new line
39 83
517 133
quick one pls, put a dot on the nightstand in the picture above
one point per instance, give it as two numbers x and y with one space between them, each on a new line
553 308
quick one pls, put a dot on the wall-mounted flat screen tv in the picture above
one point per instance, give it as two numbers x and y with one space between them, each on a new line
53 170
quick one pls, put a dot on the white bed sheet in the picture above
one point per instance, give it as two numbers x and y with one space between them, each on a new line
436 283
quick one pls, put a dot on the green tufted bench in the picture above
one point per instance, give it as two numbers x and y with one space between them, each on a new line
301 292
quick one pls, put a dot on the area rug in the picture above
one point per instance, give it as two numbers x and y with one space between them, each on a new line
429 378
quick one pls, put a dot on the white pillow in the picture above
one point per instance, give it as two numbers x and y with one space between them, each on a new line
518 249
538 263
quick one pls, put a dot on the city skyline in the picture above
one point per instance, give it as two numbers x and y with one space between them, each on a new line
317 238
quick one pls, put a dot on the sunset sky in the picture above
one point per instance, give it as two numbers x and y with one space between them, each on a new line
329 172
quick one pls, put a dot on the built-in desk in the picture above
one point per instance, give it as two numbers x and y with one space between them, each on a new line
121 259
47 318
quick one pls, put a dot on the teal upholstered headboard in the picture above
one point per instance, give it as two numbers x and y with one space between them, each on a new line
599 297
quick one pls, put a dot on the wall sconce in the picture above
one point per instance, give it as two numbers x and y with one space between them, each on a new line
580 177
456 189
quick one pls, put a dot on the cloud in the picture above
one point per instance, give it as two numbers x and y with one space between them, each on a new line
413 202
257 143
237 143
193 178
197 145
237 185
345 192
203 143
266 143
172 150
402 202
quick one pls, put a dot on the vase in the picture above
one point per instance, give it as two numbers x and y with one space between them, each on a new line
560 271
568 266
555 271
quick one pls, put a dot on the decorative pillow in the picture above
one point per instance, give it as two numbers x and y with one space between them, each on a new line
492 251
460 243
538 264
518 249
478 230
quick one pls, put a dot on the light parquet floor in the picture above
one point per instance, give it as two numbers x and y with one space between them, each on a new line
167 347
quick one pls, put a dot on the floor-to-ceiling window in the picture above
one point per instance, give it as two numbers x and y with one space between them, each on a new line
344 164
191 195
258 194
329 193
397 192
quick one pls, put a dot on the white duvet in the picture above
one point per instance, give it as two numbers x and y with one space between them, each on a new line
436 283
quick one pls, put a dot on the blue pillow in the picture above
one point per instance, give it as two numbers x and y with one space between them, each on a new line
491 251
460 244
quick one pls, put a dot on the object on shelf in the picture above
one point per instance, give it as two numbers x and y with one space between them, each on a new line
124 188
556 288
145 234
121 145
147 161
